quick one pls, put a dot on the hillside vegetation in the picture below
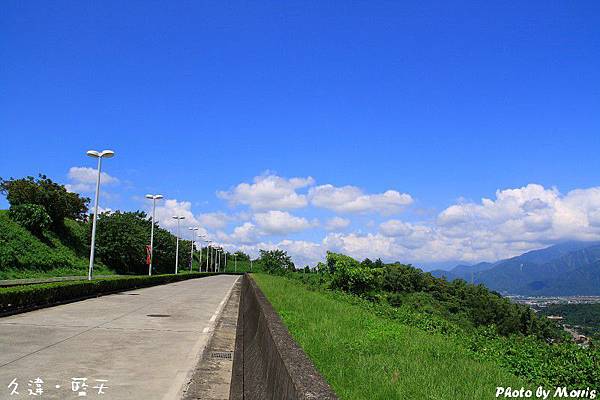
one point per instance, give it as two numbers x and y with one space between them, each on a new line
364 355
490 327
25 255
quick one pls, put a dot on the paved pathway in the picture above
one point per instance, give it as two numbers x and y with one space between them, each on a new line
144 343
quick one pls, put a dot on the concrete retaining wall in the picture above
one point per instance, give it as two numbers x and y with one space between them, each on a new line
268 364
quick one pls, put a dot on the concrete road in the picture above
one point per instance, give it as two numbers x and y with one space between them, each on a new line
141 344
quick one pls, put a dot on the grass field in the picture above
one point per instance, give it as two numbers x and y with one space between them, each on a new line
364 356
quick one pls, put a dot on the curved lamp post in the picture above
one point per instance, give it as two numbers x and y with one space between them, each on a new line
152 197
178 218
99 155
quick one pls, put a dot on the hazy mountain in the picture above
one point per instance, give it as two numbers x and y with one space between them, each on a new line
465 272
571 268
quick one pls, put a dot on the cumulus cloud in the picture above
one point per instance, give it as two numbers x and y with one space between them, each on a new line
269 192
515 221
165 210
351 199
83 179
215 220
336 223
281 222
245 233
530 213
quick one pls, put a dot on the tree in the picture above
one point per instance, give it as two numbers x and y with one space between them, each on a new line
276 261
53 197
121 240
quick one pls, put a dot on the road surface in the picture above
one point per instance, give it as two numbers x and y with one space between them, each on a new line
140 344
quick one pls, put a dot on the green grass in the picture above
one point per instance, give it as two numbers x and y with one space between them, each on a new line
365 356
24 255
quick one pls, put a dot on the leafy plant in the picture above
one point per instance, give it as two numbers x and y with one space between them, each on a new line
32 217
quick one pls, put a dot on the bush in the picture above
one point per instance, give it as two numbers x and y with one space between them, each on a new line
32 217
350 276
23 297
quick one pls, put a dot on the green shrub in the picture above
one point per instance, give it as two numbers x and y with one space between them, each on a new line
32 217
19 297
349 275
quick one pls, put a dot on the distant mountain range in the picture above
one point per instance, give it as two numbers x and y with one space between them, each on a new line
566 269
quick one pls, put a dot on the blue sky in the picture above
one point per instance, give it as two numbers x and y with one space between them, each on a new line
444 102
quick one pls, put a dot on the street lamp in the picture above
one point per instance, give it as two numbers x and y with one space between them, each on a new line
192 251
153 197
213 265
235 262
99 155
178 218
200 262
218 260
207 254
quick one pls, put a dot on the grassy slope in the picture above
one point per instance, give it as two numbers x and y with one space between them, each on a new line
23 255
364 356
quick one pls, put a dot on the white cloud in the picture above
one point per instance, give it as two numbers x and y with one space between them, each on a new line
165 210
351 199
281 222
269 192
83 179
246 233
336 223
395 227
362 246
216 220
513 221
303 252
530 213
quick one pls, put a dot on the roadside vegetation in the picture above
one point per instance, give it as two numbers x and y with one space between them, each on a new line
47 230
365 355
470 318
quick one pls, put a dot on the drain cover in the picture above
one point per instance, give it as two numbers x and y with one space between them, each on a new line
227 355
158 315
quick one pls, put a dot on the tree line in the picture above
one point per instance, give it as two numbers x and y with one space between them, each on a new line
42 206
